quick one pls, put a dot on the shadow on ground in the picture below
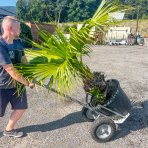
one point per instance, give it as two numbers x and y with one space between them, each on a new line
1 134
61 123
137 120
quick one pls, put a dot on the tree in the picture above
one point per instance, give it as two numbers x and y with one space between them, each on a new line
26 35
59 6
140 10
81 10
64 59
58 11
35 10
22 9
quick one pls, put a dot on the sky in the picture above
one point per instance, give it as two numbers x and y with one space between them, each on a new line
8 2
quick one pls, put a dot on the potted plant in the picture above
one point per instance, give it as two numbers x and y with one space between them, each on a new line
64 59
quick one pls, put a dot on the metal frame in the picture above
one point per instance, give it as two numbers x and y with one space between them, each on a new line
95 110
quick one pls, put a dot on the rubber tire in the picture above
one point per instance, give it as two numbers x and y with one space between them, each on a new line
84 115
99 122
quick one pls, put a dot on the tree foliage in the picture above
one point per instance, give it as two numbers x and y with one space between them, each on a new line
141 9
59 10
70 10
80 10
35 10
26 35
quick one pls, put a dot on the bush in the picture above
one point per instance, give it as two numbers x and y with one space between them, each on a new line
26 35
144 16
66 29
74 26
67 26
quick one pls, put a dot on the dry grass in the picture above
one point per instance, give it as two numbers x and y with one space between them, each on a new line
143 26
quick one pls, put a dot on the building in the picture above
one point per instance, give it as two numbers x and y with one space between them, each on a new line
118 15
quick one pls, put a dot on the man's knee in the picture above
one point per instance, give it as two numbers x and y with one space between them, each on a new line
19 110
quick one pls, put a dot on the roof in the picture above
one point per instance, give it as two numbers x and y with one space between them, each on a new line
7 10
118 15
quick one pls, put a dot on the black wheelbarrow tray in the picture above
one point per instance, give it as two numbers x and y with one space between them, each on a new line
105 117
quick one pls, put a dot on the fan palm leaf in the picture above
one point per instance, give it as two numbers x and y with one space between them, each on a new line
61 59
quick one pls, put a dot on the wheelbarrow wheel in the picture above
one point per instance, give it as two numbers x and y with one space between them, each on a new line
87 115
103 130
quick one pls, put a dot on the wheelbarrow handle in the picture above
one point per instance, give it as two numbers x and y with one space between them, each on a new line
57 92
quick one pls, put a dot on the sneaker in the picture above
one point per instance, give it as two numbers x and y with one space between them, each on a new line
13 133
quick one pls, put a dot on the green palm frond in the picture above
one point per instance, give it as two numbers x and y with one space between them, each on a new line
62 59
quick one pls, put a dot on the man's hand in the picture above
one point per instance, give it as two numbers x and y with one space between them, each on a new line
31 85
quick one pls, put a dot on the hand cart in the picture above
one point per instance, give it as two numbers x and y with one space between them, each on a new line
106 117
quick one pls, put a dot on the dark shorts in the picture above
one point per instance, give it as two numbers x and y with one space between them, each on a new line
10 95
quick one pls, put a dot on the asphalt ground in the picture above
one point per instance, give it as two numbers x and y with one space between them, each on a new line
50 123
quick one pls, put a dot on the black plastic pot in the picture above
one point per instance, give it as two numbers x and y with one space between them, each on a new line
116 99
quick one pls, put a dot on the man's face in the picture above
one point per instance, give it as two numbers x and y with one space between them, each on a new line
16 30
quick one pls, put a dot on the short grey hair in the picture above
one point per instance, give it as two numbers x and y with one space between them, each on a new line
12 20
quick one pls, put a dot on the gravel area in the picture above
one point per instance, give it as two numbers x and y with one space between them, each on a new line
50 123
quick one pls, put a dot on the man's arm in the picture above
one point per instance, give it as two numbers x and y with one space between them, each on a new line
17 76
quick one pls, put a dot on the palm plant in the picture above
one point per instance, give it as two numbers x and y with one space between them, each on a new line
61 59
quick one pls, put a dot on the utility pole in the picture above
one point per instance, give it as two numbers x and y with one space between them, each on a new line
137 20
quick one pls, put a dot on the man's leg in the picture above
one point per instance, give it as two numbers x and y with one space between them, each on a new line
19 105
15 116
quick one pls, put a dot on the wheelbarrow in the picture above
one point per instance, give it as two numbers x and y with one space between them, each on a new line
105 117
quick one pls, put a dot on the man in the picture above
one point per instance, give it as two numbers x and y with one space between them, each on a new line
11 52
